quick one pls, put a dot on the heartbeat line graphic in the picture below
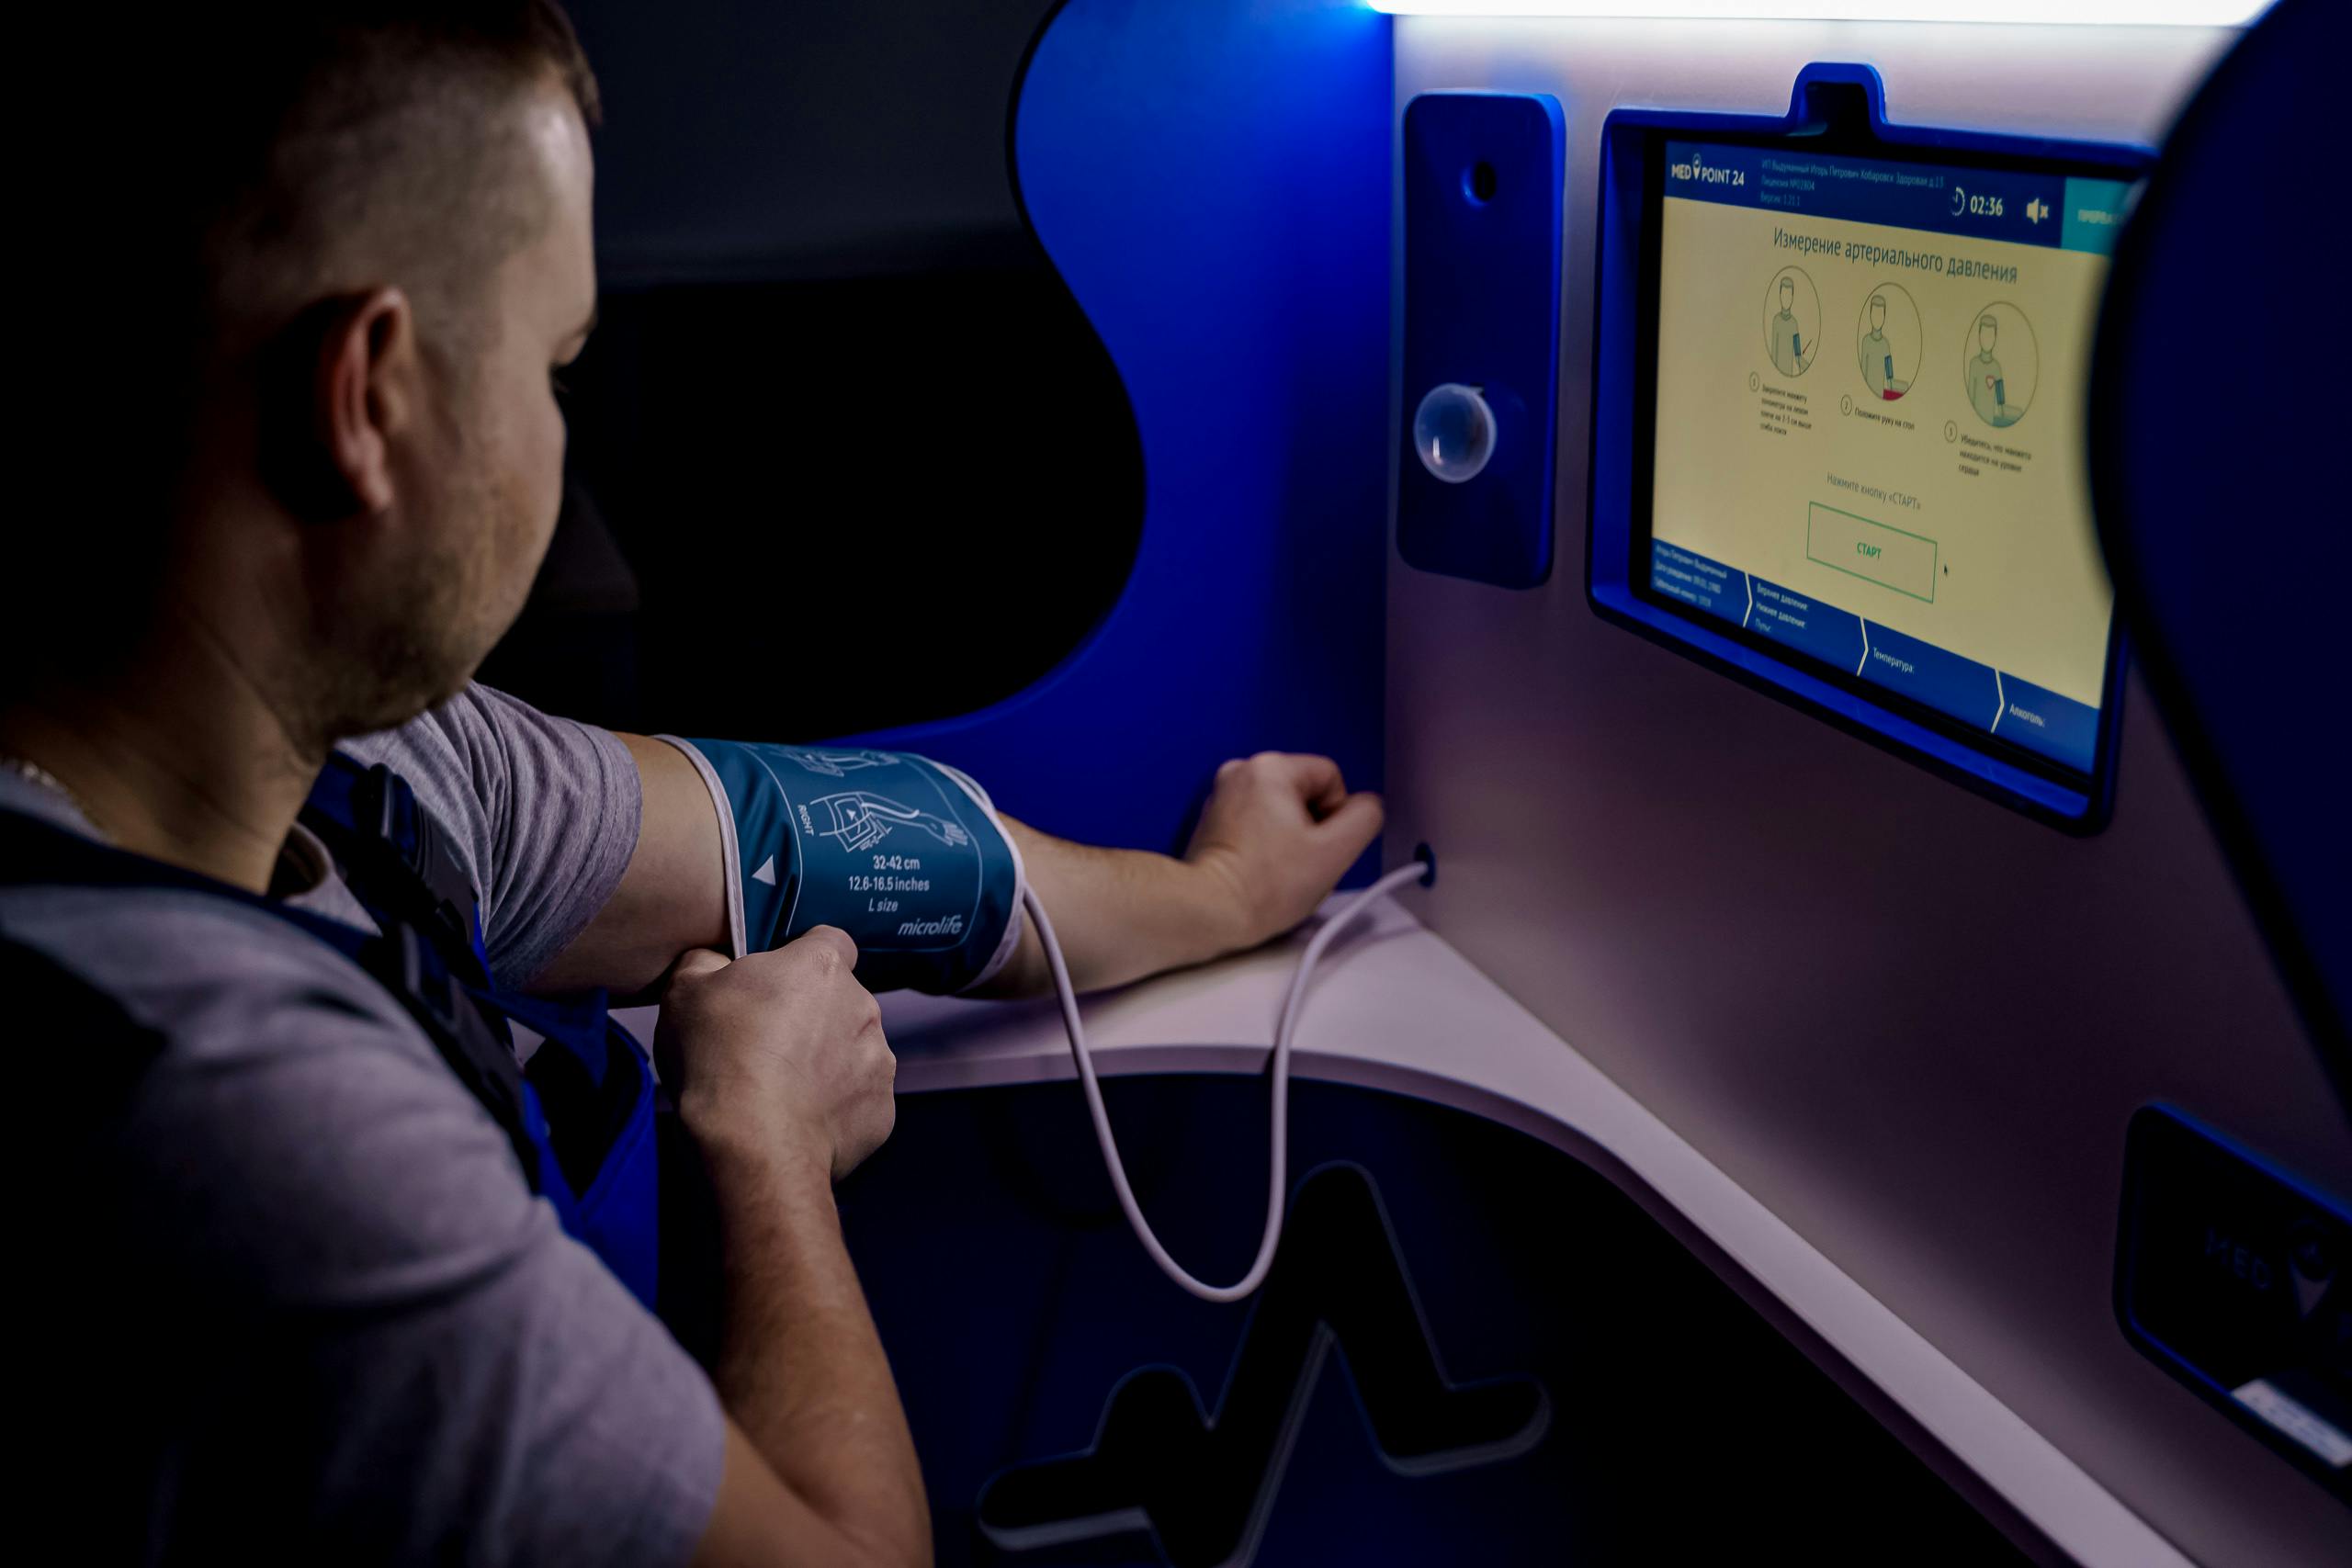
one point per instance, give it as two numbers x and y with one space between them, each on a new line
1202 1485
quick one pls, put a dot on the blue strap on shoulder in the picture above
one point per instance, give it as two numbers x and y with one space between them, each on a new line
588 1097
905 855
412 968
599 1172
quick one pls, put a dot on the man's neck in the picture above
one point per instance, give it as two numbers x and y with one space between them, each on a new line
183 758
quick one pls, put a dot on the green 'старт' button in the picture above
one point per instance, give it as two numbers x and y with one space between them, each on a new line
1872 551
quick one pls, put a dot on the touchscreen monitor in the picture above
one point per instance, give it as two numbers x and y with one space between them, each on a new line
1868 413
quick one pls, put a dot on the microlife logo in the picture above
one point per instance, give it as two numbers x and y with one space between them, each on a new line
1699 170
946 925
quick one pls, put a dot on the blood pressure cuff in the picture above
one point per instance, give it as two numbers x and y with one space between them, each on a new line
905 855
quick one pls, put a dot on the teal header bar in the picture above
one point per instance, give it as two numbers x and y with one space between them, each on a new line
2095 214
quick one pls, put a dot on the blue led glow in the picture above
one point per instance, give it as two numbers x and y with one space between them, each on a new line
2182 13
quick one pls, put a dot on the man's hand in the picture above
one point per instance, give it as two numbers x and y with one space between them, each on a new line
1277 834
779 1052
785 1080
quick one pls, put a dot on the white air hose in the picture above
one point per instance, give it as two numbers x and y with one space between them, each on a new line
1278 1175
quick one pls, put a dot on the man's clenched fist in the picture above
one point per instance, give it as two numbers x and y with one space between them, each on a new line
1278 832
779 1052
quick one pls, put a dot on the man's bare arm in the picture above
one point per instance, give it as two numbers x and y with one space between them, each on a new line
674 896
1277 833
820 1468
784 1082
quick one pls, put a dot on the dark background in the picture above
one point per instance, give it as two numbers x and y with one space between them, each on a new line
1684 1428
844 452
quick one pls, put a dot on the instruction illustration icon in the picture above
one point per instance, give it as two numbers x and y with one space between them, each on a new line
859 820
2001 365
1890 340
1791 322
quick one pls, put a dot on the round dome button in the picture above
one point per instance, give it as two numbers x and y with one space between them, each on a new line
1453 432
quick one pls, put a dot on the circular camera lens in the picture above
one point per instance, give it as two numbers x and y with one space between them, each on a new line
1454 431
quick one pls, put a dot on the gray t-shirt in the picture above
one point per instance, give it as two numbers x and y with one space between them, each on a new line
358 1337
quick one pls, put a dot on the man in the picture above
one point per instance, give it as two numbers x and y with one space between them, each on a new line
1988 384
1878 355
1789 356
296 1300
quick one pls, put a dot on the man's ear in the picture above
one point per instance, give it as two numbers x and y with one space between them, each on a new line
338 386
364 391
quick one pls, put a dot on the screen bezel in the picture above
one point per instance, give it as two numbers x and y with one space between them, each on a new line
1857 141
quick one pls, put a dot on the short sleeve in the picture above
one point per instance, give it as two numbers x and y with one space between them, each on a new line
543 811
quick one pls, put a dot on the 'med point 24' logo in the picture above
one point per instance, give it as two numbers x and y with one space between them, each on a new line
1697 168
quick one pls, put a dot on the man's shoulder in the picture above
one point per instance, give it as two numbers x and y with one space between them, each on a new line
541 812
316 1263
264 1120
198 968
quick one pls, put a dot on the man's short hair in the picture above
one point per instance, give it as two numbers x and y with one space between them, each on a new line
218 151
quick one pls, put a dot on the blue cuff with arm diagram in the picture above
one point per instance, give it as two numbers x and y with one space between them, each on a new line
905 855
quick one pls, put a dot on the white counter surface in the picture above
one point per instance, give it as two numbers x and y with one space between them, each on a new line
1393 1007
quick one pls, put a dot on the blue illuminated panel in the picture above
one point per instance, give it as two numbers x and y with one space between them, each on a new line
2003 705
1483 188
2056 210
1838 411
2229 1277
1865 413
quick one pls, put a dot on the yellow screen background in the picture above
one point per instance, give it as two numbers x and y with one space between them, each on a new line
2019 584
